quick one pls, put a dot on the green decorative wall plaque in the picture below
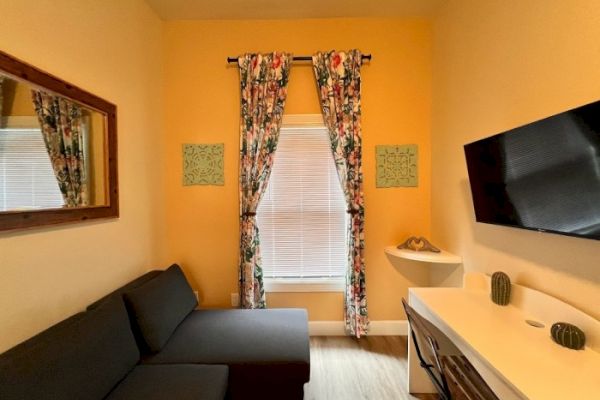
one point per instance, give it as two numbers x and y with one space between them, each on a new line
203 164
397 165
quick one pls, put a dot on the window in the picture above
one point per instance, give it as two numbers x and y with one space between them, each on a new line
27 180
302 216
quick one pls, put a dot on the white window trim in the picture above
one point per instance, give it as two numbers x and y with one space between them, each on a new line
304 285
19 122
303 121
293 285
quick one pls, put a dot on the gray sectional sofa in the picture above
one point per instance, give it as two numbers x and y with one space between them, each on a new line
148 341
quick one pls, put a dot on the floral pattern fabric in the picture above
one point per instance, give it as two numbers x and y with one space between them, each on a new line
62 129
338 83
263 82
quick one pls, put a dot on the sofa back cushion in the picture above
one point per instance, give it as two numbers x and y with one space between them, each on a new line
82 358
159 306
119 294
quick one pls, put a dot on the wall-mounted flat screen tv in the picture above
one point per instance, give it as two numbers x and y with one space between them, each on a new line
543 176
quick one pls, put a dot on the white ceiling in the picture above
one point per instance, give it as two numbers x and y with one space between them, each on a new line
283 9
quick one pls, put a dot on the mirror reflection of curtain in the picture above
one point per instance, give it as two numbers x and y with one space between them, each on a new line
62 129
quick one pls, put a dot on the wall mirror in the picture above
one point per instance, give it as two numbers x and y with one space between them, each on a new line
58 150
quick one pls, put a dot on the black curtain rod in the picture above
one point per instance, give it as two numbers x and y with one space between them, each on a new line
297 58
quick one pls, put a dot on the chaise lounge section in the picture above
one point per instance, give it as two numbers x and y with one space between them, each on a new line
266 350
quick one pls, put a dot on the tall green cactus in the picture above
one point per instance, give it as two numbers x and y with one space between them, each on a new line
500 288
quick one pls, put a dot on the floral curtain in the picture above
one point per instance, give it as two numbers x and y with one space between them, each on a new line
338 83
61 124
263 81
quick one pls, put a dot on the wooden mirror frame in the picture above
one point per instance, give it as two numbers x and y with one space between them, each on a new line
11 220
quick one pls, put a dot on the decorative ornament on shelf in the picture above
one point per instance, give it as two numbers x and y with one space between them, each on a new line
418 244
500 288
568 335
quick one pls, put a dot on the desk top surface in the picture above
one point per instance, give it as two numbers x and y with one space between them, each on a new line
524 356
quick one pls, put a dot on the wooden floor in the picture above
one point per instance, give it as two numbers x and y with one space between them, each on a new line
344 368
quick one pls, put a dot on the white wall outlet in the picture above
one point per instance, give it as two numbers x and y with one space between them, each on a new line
235 299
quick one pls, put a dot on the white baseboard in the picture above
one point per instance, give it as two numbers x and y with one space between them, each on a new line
377 328
326 328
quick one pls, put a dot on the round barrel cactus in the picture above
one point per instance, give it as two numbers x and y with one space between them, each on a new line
568 335
500 288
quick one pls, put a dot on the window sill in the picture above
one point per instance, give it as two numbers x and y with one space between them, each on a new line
292 285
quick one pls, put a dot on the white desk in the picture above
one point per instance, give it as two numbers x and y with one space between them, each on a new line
517 360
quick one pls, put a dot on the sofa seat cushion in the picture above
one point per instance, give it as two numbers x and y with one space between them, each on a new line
158 306
260 346
173 382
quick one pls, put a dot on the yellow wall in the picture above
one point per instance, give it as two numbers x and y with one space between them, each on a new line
498 65
112 48
96 158
16 98
202 106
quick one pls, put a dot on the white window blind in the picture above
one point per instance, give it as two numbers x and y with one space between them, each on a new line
302 216
27 180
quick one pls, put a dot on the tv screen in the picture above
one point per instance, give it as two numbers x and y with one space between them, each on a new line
543 176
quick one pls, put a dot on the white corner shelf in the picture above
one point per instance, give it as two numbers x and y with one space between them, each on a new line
442 257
